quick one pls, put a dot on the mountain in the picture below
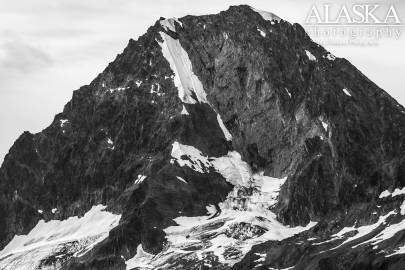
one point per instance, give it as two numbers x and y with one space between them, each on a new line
226 141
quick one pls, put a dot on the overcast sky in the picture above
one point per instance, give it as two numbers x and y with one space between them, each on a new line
48 48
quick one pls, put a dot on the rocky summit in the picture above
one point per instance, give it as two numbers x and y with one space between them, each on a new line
226 141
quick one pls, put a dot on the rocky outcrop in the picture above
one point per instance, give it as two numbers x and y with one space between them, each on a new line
155 138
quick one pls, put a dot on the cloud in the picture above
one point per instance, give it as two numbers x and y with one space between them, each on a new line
23 57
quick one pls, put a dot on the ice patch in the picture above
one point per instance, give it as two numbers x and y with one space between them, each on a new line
138 83
187 83
227 134
190 156
310 56
40 211
73 235
346 92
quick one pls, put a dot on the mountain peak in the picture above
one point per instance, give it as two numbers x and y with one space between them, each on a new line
226 141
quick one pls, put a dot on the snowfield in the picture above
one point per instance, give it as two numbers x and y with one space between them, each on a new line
58 239
229 230
185 80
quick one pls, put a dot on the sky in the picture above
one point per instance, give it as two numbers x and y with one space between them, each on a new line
48 48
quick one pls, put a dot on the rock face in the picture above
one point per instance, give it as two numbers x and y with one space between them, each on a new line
227 141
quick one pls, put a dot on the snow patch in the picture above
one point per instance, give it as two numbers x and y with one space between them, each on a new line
268 16
73 235
185 80
140 179
396 192
140 260
117 89
262 33
387 233
110 144
400 250
54 210
346 92
330 57
190 156
190 88
402 208
63 122
233 168
324 125
288 92
262 257
384 194
211 236
184 111
155 89
230 229
361 231
269 187
310 56
181 179
227 134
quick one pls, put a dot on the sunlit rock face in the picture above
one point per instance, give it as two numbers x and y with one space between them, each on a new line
226 141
